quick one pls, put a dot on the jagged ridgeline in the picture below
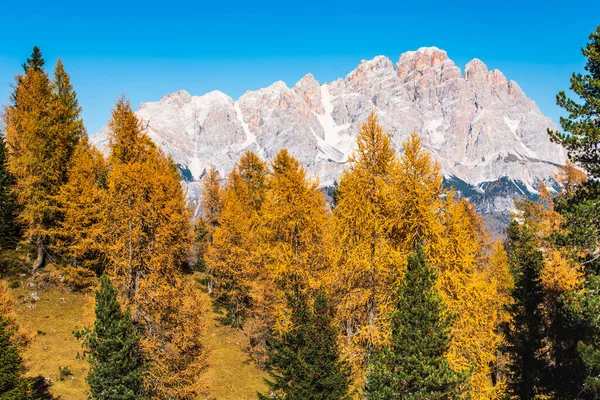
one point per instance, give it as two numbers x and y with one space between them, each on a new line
489 138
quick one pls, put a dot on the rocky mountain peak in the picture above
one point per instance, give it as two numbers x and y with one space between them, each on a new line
425 57
475 68
309 89
479 126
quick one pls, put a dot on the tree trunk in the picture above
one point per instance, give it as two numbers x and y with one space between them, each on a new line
40 261
210 285
349 330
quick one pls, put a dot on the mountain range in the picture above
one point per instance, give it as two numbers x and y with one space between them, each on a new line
488 136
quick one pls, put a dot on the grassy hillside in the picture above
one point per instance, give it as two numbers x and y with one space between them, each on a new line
52 313
52 319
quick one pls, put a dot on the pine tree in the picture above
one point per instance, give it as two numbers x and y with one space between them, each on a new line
582 132
579 236
9 229
113 350
67 123
36 61
413 364
12 384
528 368
305 361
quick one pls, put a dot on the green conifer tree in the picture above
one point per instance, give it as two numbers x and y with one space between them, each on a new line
67 123
305 361
413 364
9 230
36 61
12 384
582 131
113 350
580 233
528 363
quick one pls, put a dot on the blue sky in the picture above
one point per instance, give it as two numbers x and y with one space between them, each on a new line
148 49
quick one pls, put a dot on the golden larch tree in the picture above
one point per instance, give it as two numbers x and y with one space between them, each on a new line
42 127
232 255
293 219
366 265
243 285
82 207
147 238
292 242
211 204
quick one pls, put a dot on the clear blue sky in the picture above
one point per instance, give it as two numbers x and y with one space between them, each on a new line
148 49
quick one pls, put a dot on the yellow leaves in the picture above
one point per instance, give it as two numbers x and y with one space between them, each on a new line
570 177
146 237
81 202
232 254
42 129
475 341
374 151
31 149
172 317
293 219
386 206
212 198
271 225
127 141
416 204
367 265
499 275
21 336
559 273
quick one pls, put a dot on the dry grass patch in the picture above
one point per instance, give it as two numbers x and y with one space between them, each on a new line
231 373
52 320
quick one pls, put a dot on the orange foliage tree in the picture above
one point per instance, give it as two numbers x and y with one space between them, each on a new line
147 238
366 262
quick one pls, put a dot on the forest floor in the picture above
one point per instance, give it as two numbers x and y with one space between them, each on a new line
51 313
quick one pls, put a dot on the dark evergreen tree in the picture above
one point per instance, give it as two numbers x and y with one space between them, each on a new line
305 361
36 61
413 364
12 384
528 363
579 376
9 230
578 368
582 127
67 123
113 350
